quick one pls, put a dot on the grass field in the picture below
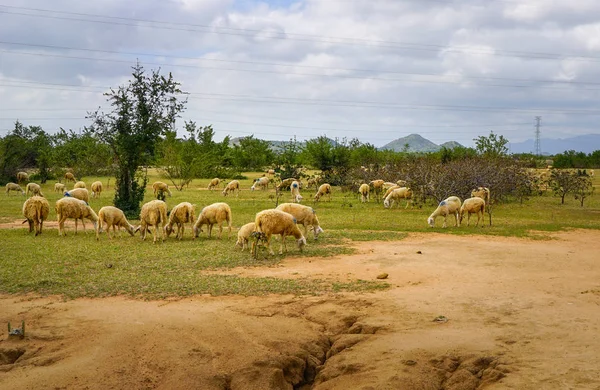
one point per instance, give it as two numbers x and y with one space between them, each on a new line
78 265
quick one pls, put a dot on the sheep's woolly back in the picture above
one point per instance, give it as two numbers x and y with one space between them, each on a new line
390 189
79 193
231 186
364 189
80 184
182 213
111 217
262 182
397 194
244 234
483 193
215 213
214 183
34 188
275 221
377 184
96 188
59 187
446 207
74 208
22 176
35 211
160 186
13 187
473 205
153 213
324 189
69 176
304 215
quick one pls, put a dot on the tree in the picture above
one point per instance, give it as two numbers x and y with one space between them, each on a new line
562 183
491 146
143 110
252 154
288 159
583 188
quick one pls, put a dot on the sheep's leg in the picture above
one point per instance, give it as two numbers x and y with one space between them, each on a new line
282 244
445 220
455 219
182 231
75 225
229 234
61 226
468 218
220 229
154 232
269 244
210 226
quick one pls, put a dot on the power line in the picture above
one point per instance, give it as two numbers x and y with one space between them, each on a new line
293 36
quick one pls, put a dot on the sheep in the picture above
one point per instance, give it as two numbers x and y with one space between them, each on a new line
446 207
270 172
274 221
14 187
182 213
80 184
285 184
73 208
22 177
34 188
244 235
295 191
304 215
35 211
69 177
475 205
324 189
153 213
364 190
591 173
213 214
312 182
79 193
483 193
160 186
396 195
113 217
401 183
59 187
261 182
214 183
390 189
96 189
388 184
232 186
377 186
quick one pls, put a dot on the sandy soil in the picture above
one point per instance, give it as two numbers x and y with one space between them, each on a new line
521 314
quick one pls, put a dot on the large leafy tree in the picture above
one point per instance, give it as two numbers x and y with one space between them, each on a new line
491 146
142 111
252 154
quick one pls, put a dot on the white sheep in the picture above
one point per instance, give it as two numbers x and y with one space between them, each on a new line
377 187
270 172
279 222
14 187
244 235
214 183
79 193
160 186
69 177
475 205
483 193
59 187
286 183
295 191
216 213
153 213
115 218
387 185
35 211
389 190
304 215
449 206
396 195
80 184
22 177
34 188
324 189
181 214
232 186
96 189
73 208
364 191
261 182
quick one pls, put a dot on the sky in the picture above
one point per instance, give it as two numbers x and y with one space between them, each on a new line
376 70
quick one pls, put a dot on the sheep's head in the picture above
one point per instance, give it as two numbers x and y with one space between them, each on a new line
301 243
318 230
431 221
298 198
168 229
386 203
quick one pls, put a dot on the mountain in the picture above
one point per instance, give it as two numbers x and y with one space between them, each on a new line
416 143
451 145
581 143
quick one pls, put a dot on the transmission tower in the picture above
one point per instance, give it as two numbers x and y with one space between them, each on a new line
537 146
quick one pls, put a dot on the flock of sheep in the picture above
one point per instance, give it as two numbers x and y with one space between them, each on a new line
283 220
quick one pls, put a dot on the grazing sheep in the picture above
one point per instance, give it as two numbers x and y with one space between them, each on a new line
304 215
270 172
115 218
279 222
232 186
446 207
34 188
14 187
389 190
387 185
80 184
69 177
364 191
324 189
181 214
396 195
22 177
35 211
475 205
96 189
79 193
591 173
214 183
285 184
261 182
73 208
377 187
153 213
160 186
59 187
295 191
244 235
401 183
483 193
213 214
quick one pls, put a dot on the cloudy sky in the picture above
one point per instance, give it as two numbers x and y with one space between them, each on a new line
376 70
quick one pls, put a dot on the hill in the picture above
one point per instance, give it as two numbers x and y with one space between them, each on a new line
417 143
581 143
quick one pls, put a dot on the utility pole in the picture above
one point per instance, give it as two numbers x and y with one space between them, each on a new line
537 146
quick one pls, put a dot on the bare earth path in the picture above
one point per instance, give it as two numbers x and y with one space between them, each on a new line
521 314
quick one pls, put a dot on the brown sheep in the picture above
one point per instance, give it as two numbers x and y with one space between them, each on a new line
181 214
279 222
96 189
113 217
73 208
474 205
216 213
35 211
153 213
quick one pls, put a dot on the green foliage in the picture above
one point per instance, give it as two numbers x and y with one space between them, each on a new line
583 187
573 159
143 110
288 159
84 153
252 154
491 146
563 182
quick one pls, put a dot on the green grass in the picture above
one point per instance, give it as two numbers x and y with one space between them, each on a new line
76 266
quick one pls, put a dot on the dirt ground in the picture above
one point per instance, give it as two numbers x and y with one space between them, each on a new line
517 314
